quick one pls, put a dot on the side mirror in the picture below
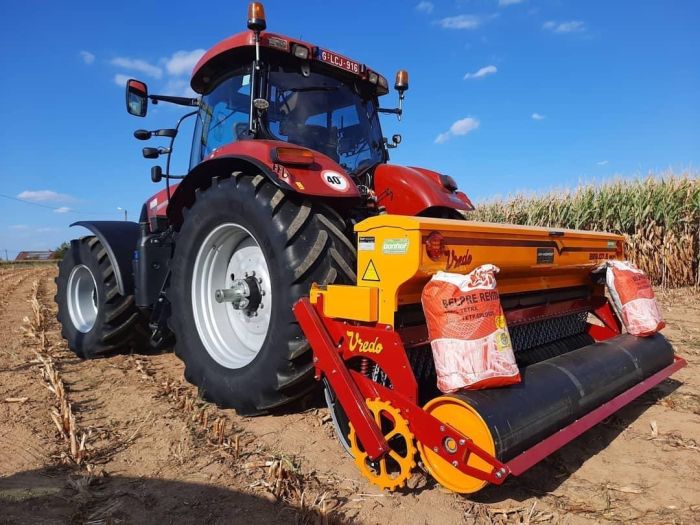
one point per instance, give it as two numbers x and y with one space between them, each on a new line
401 83
136 98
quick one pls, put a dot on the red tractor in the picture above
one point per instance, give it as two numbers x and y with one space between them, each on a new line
288 155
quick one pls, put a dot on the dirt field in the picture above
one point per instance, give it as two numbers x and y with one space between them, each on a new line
142 448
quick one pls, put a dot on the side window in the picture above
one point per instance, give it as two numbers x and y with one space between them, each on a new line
224 113
196 151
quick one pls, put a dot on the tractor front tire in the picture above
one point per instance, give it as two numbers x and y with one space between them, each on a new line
243 231
96 320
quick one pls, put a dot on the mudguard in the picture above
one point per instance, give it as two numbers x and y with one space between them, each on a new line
412 191
323 178
120 239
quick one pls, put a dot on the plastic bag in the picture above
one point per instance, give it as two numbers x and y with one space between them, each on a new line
468 333
633 298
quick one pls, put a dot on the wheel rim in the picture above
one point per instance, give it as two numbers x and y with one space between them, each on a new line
232 336
82 298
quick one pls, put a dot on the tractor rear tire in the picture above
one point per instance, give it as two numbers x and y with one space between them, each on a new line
252 358
96 320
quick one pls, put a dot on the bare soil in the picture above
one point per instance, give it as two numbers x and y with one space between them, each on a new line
152 452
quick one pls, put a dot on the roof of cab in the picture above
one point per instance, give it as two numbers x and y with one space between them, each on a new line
203 68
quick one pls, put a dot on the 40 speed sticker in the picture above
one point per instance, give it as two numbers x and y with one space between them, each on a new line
335 180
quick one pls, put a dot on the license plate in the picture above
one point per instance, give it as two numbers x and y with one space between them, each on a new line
339 61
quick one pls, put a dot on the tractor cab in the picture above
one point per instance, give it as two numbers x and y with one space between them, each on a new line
266 86
305 102
291 91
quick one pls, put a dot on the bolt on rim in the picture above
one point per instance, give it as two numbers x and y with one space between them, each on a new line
231 295
82 298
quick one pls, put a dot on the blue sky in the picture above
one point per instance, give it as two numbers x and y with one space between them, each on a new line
505 95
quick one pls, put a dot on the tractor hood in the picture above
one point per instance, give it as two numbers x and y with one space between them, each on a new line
406 190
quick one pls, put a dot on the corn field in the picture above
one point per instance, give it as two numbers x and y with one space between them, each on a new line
658 215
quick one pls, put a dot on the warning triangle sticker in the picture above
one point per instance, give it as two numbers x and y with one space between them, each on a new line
370 272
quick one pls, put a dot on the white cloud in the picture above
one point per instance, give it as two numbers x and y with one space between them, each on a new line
179 87
458 128
602 163
537 116
44 196
460 22
483 72
63 209
176 69
136 64
425 7
573 26
120 80
183 62
19 227
505 3
87 57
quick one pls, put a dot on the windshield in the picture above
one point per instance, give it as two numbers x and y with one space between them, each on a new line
324 114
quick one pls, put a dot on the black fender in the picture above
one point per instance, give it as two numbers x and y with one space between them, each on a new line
202 174
120 239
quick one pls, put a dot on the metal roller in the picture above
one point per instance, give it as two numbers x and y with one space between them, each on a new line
552 394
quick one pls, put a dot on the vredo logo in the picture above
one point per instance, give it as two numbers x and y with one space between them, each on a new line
455 260
357 344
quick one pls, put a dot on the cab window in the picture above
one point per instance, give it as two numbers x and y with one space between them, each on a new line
224 113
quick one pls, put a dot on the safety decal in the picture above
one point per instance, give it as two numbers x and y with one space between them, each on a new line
366 244
371 273
395 246
545 255
335 180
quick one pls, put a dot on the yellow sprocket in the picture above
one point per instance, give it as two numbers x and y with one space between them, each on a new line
393 469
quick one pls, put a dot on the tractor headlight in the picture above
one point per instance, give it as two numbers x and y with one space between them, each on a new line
300 51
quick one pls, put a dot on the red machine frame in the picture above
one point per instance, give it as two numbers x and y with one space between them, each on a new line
329 340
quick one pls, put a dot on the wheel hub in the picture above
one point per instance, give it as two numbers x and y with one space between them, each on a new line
244 294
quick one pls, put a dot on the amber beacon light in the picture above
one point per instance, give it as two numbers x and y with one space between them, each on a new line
256 17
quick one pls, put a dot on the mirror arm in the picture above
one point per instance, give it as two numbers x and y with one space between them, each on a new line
394 111
170 153
180 101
